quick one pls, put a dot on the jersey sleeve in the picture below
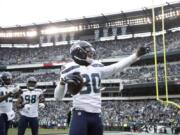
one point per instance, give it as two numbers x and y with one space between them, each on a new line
40 91
61 90
107 71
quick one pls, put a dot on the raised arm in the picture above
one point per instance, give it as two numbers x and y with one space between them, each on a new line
107 71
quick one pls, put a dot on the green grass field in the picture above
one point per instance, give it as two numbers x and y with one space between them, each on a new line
64 132
13 131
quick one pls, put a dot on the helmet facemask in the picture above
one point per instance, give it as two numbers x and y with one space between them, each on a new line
31 83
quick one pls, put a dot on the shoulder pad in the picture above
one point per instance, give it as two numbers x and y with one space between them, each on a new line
97 64
24 90
38 90
69 67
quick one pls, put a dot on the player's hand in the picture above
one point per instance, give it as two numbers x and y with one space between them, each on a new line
16 89
74 78
142 51
74 82
21 105
10 94
41 105
62 81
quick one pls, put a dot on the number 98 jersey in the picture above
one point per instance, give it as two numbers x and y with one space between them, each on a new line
89 98
31 100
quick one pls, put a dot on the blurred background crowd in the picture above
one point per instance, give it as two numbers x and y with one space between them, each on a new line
104 49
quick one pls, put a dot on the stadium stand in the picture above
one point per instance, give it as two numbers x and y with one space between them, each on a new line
137 74
105 49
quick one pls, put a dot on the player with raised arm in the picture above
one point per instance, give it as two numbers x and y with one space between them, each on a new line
7 91
28 103
82 78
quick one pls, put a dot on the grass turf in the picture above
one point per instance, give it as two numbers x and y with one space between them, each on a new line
13 131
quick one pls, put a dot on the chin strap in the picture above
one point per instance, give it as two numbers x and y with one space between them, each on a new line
84 62
89 60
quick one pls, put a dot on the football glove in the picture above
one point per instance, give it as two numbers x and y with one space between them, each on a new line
74 82
142 51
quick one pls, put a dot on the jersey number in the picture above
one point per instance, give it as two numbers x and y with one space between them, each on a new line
92 83
30 99
8 99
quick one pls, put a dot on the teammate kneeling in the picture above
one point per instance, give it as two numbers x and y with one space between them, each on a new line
28 103
82 79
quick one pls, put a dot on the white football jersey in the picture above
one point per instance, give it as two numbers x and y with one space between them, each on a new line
6 105
31 98
89 98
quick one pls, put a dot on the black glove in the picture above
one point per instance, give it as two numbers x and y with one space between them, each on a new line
142 50
74 82
73 78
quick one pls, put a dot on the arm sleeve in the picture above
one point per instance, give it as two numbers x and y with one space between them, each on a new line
60 91
107 71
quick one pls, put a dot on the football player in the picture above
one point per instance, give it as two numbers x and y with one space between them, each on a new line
28 103
86 116
7 91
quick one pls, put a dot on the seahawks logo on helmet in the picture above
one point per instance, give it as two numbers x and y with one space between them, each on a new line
82 52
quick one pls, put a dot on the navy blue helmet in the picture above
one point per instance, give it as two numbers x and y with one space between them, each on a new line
6 78
82 52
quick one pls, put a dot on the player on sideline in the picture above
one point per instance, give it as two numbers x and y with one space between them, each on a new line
28 103
86 116
7 91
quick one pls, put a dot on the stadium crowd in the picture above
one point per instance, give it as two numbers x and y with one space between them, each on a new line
118 113
54 114
40 75
105 49
131 75
146 73
115 114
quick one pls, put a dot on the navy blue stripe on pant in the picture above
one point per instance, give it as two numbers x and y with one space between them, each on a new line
24 122
4 124
84 123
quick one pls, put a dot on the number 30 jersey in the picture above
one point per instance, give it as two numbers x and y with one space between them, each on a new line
31 100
